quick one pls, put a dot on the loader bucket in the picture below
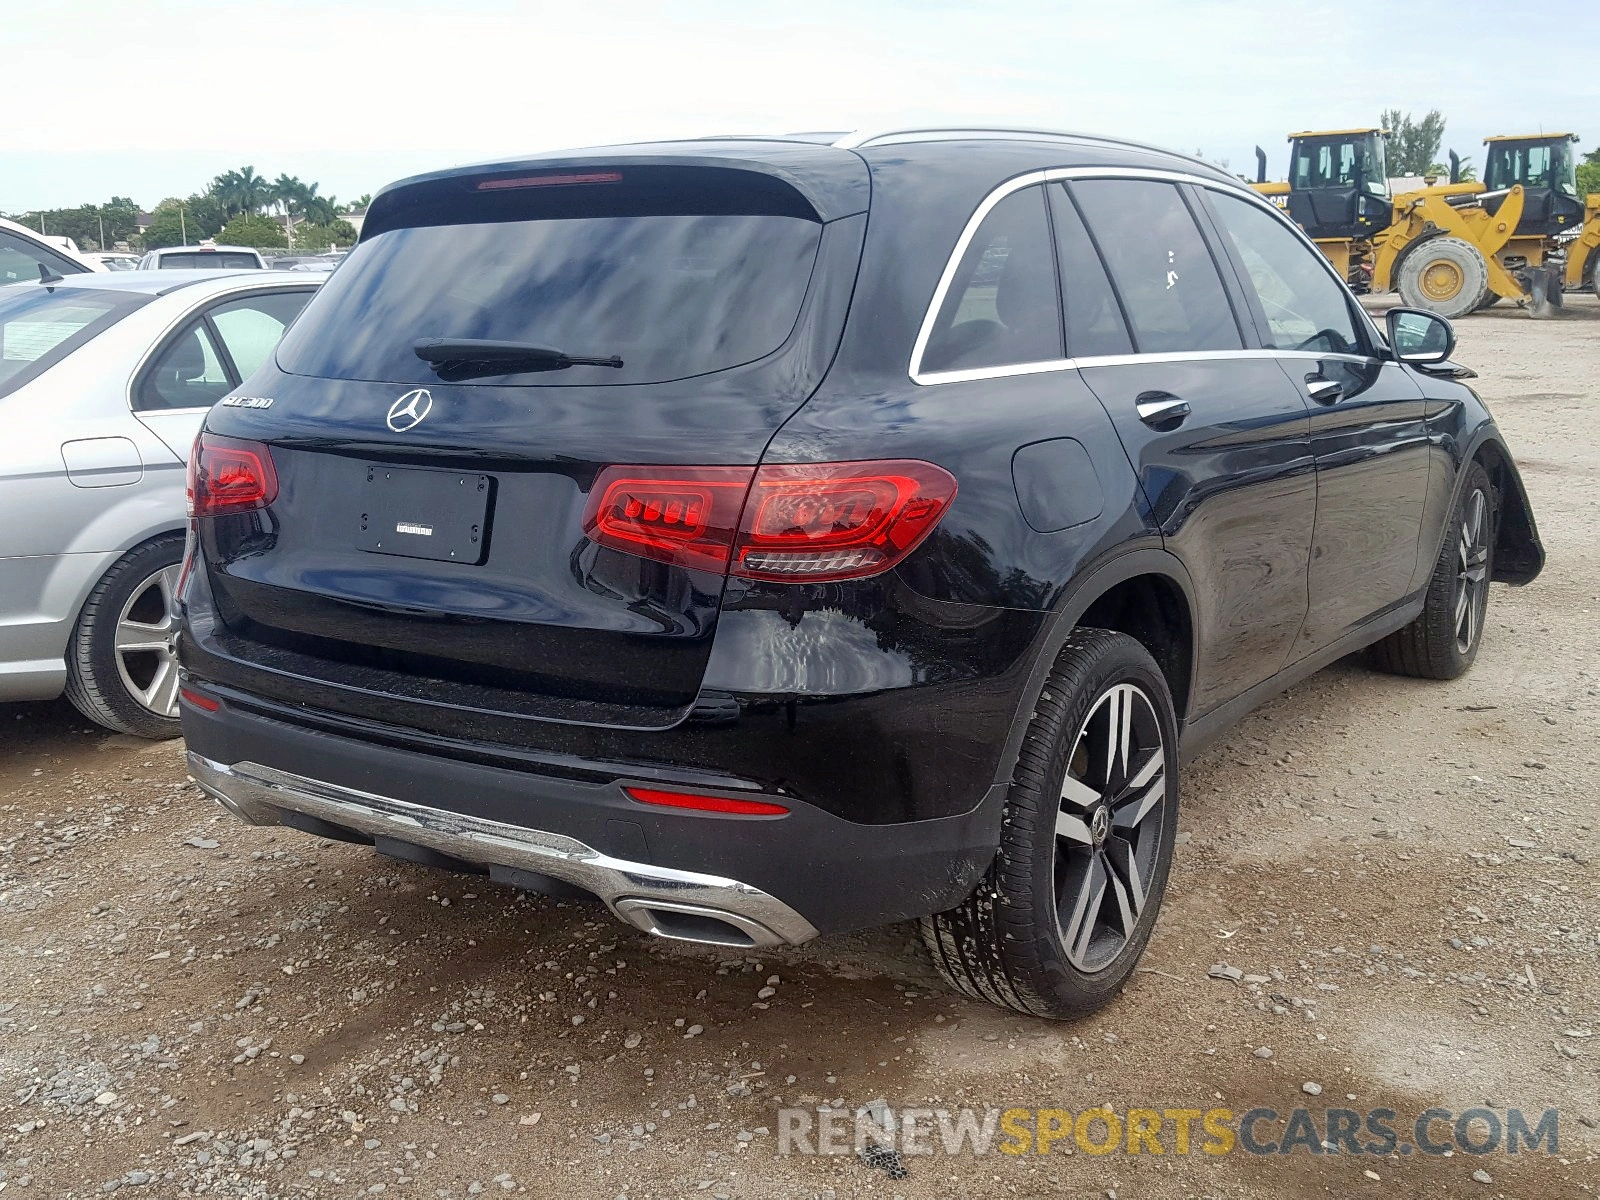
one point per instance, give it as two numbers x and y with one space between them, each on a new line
1544 288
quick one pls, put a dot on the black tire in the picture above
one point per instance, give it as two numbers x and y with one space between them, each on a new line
1489 301
105 690
1445 275
1443 641
1594 272
1005 944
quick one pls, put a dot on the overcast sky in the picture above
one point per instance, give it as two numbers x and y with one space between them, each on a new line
152 98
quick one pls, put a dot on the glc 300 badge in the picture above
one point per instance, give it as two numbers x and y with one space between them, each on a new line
246 402
408 411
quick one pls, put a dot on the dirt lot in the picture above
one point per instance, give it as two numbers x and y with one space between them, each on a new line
1403 871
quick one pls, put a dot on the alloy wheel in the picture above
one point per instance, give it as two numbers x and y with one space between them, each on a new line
1109 826
146 643
1472 571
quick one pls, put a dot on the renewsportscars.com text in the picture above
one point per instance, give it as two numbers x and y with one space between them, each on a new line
1178 1131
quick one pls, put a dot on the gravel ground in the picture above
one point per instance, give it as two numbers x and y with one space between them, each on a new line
1400 873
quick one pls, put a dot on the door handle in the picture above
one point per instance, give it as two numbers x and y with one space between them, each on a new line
1323 390
1160 408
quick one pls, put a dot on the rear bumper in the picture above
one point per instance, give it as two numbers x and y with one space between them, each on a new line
640 893
731 880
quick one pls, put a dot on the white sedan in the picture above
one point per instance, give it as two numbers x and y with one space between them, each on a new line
104 381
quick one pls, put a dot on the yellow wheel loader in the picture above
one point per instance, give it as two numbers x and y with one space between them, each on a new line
1558 228
1448 247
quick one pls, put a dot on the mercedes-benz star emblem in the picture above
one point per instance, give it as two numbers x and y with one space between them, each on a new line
408 411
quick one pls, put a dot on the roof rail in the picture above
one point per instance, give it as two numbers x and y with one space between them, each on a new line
889 137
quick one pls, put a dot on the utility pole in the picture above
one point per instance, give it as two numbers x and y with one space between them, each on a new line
183 226
102 221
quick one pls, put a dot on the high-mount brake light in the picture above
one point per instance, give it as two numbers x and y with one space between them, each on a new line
712 804
228 475
530 181
801 523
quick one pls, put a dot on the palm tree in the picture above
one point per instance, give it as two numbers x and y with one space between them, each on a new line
317 208
225 189
254 190
286 193
363 203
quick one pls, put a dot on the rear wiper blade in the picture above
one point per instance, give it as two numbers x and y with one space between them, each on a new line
464 358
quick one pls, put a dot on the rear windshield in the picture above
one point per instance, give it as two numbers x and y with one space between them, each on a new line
40 326
216 260
671 295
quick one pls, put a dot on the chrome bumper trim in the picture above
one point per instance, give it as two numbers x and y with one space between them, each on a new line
258 795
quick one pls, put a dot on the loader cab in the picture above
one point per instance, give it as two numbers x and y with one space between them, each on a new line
1339 182
1546 167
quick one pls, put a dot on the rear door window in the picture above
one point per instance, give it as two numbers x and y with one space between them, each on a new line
1002 308
671 295
252 326
1160 264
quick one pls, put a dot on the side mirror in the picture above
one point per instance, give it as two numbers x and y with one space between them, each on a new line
1420 337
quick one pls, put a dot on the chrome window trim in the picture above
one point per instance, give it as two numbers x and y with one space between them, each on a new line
1051 175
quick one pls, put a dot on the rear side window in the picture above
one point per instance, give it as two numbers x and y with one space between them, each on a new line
20 260
1304 305
672 295
1094 318
1002 308
1160 265
189 373
40 326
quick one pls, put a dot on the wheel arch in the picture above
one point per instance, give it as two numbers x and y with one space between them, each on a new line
1518 552
1145 593
86 589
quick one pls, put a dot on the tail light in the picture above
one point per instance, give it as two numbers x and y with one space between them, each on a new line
682 515
227 475
803 523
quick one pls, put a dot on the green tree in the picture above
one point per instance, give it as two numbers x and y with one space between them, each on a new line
241 191
177 222
312 236
1589 173
1413 145
360 205
252 229
286 193
316 207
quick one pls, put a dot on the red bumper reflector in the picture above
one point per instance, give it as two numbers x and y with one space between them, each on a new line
716 804
204 703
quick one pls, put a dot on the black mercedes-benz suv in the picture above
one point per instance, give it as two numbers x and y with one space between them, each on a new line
779 536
